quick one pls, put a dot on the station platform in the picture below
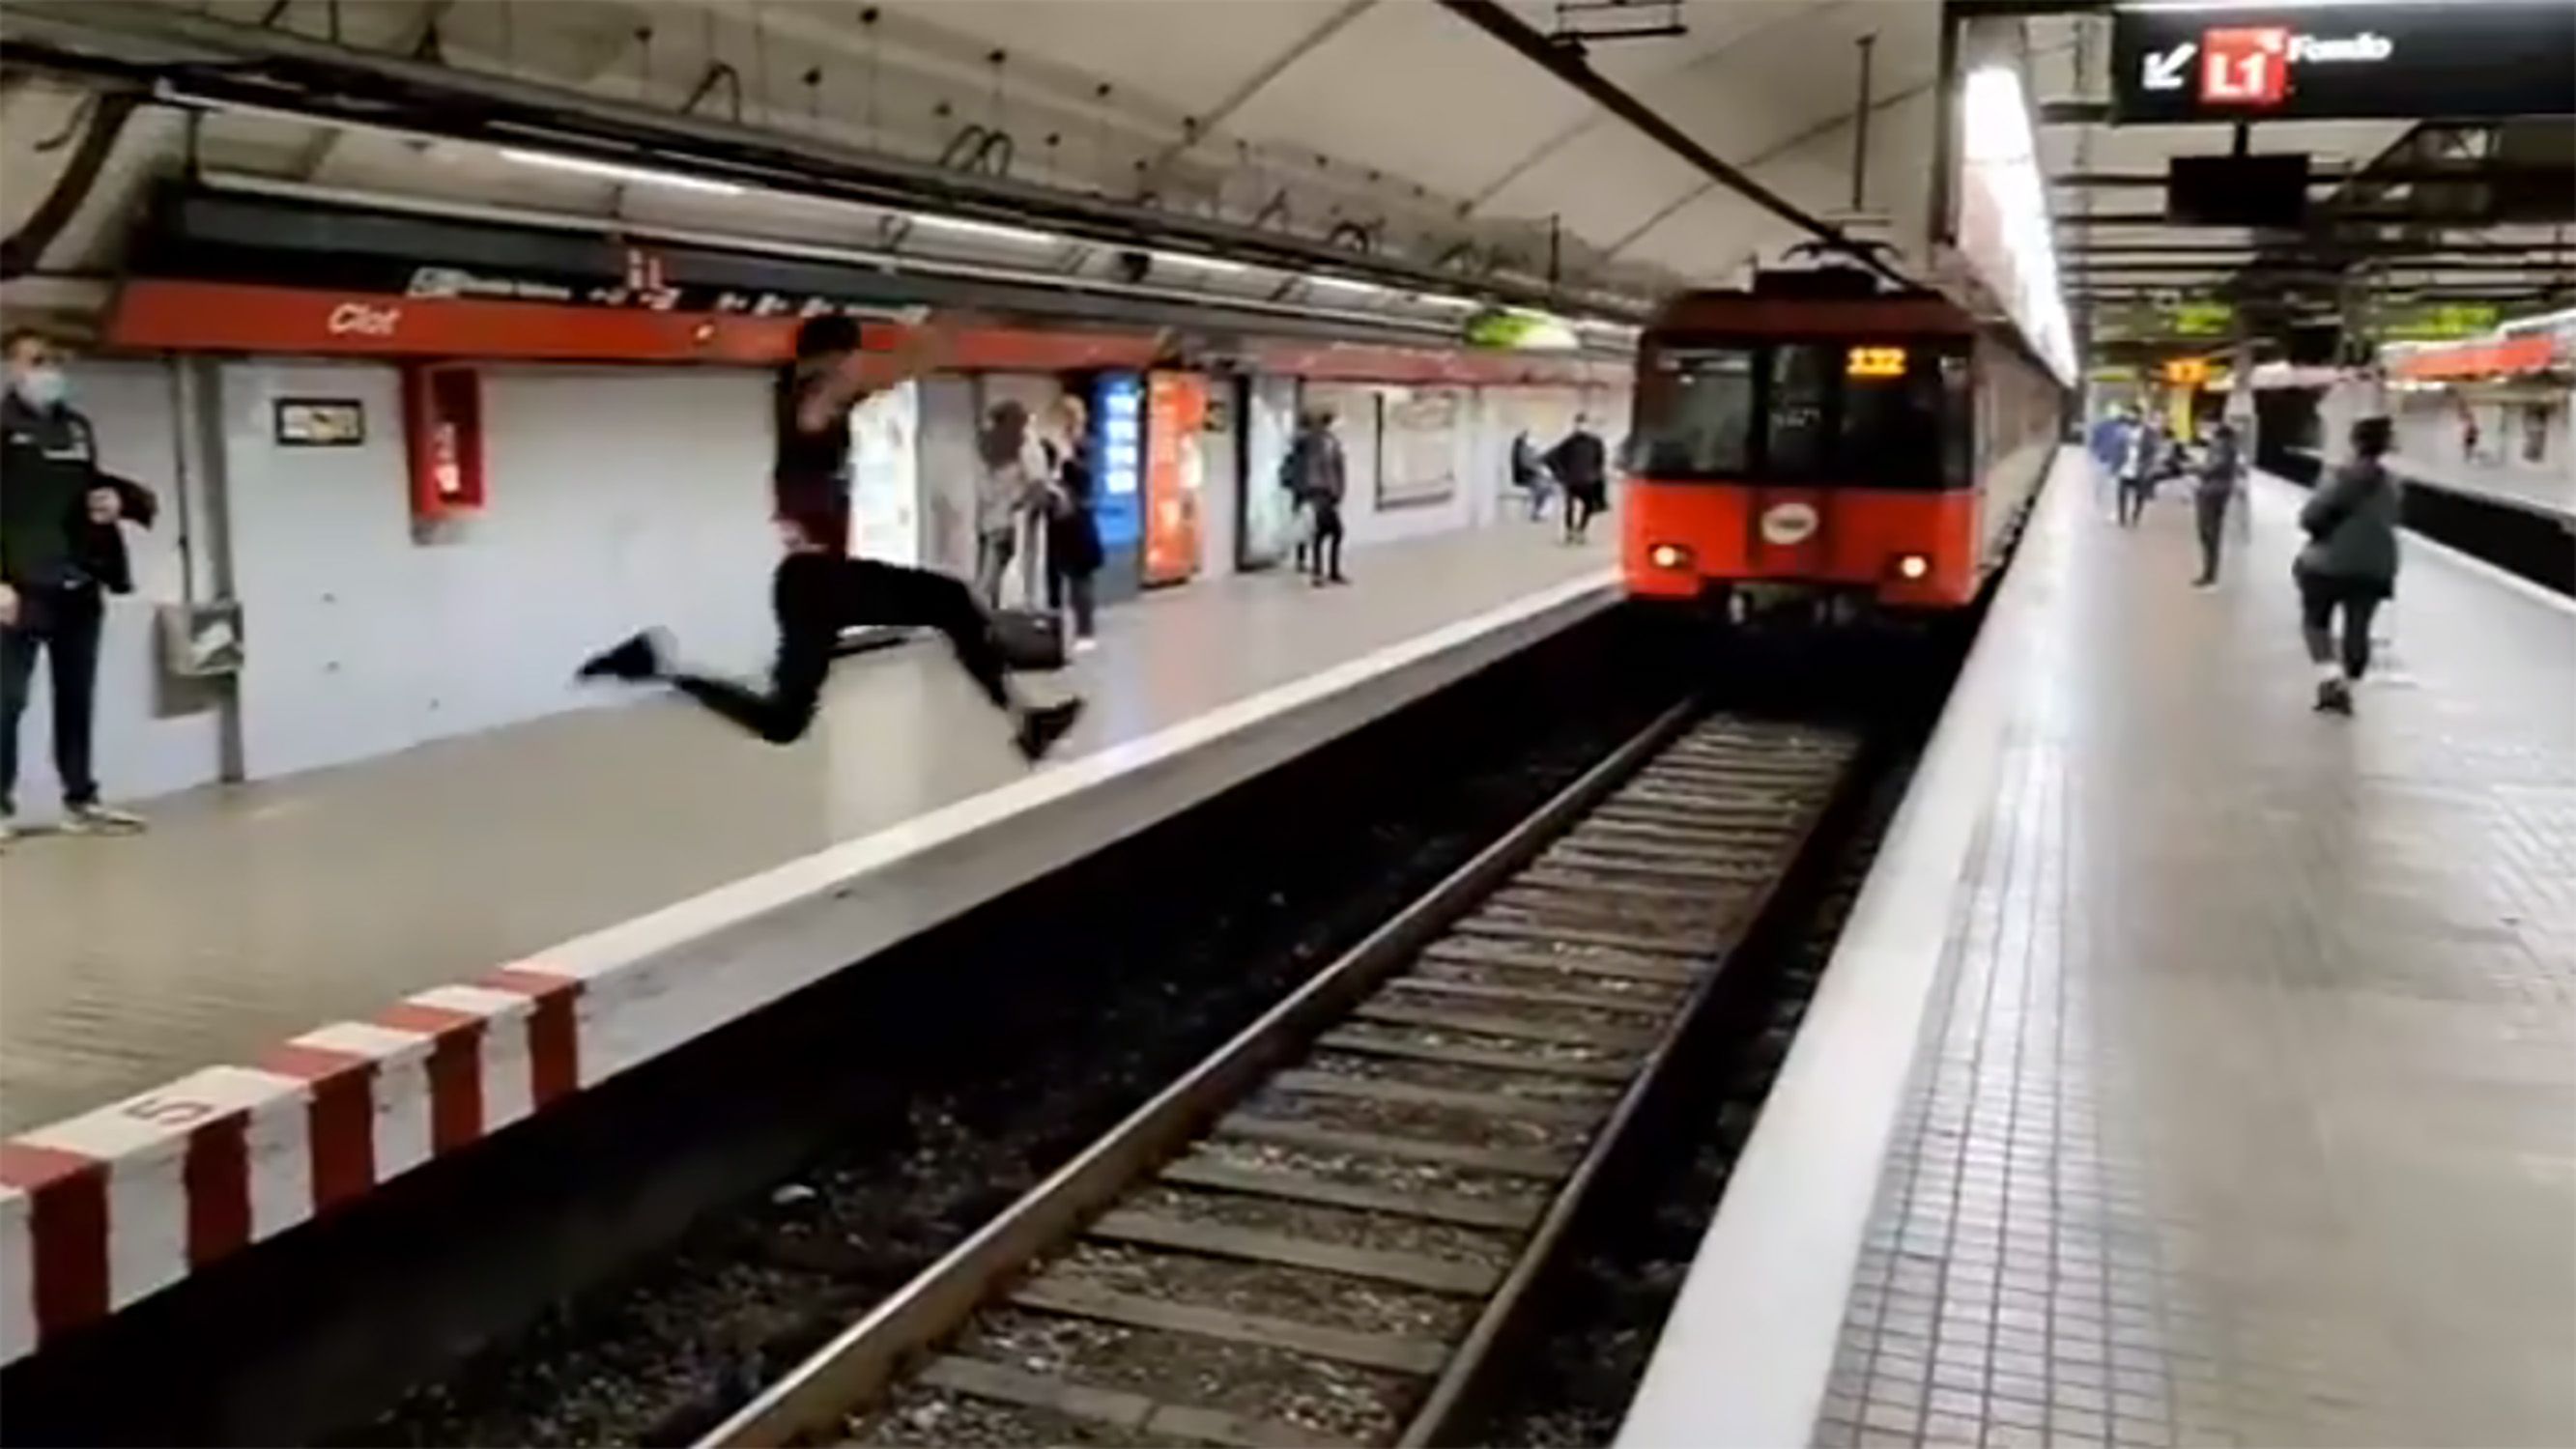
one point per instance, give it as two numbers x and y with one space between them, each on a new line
2194 1068
612 884
2549 492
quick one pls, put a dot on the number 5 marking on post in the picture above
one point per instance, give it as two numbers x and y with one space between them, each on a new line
169 1111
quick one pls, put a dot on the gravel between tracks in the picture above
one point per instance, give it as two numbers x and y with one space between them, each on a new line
1096 1012
1574 1384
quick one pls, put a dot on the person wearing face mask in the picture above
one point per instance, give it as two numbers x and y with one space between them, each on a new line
60 554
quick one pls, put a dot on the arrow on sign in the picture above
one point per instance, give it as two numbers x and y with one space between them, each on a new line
2164 72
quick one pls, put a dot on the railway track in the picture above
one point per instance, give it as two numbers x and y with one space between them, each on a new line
1320 1234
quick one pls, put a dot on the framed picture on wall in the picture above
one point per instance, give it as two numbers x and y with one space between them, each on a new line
1417 446
320 422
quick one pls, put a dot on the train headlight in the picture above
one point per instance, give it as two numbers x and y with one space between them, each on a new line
1669 556
1913 566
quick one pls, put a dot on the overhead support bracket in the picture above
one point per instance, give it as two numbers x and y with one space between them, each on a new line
1533 45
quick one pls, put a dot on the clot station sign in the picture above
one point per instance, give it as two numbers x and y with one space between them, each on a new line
2224 63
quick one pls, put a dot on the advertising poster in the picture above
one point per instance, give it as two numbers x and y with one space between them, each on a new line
1269 518
1419 465
885 476
1176 406
1118 422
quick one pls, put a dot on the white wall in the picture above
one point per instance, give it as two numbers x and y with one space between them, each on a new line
618 499
150 736
1482 451
1221 481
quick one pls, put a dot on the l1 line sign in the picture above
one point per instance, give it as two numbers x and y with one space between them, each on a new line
2212 62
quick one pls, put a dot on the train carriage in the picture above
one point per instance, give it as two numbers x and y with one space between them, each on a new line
1813 441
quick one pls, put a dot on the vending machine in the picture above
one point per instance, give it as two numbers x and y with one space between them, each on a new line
1118 454
1175 472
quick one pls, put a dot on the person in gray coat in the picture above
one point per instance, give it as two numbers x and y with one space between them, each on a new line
2221 470
2349 563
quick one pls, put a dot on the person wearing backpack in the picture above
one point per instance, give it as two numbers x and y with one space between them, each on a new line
1582 465
1315 474
2349 565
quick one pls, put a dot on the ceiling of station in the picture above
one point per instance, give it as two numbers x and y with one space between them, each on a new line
1390 124
2108 198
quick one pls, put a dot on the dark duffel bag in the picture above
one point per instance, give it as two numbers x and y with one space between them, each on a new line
1030 638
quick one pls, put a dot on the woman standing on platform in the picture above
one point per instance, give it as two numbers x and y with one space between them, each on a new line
1072 528
1011 478
2349 564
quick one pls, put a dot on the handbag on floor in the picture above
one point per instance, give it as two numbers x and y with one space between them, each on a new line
1030 639
1030 635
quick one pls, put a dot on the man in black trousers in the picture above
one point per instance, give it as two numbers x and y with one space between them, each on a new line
60 555
818 589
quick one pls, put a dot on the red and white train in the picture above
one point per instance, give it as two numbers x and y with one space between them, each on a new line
1816 441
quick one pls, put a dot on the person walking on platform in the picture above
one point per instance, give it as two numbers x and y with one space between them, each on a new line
2349 563
2138 467
1073 552
60 555
818 589
2109 446
1317 475
1582 468
2222 473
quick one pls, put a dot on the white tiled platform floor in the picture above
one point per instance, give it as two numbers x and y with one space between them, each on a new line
251 913
2251 1117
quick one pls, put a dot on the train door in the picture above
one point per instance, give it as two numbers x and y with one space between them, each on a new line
1791 518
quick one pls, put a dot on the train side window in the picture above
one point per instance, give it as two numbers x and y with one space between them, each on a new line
1796 430
1958 422
1698 412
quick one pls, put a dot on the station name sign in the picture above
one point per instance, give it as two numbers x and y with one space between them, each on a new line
2205 63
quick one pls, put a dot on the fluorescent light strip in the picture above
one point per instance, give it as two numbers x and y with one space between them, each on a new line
1196 262
1443 299
1343 284
904 262
612 171
968 226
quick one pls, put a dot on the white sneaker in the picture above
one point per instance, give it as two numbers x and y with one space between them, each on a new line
8 830
1085 646
97 819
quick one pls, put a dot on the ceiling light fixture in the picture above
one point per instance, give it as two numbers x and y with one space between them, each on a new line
997 231
1352 285
1195 262
613 171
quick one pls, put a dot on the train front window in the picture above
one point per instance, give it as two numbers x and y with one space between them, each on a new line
1796 419
1697 406
1890 434
1859 412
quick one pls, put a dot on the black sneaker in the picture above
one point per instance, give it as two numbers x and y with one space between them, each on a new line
2334 697
638 658
1042 725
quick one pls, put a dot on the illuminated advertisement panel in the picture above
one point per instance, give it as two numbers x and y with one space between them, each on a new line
1118 446
1175 408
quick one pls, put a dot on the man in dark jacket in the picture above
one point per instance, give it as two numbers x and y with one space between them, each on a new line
1317 476
1582 465
2349 564
60 554
2222 471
